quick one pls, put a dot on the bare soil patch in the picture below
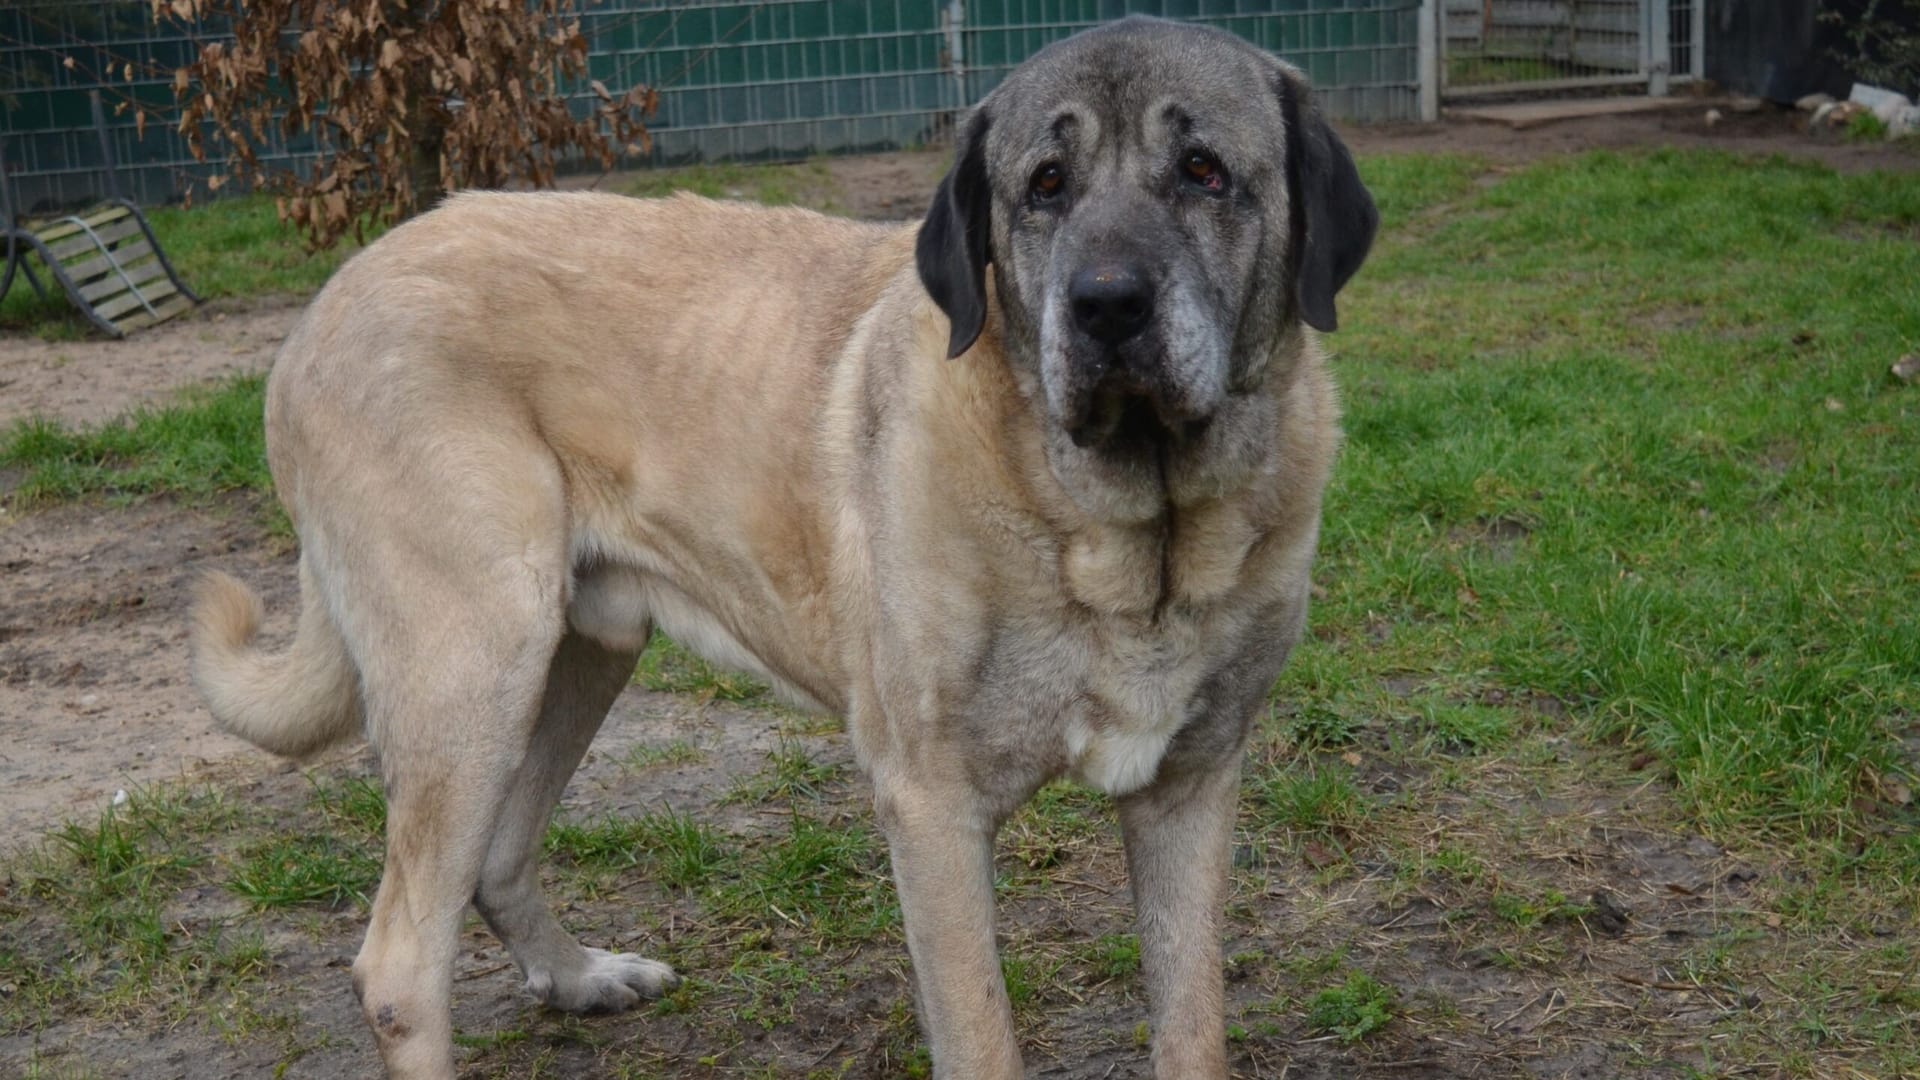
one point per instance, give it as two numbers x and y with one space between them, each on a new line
1767 131
94 692
94 379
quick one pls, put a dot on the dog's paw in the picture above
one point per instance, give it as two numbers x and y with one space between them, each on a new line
605 982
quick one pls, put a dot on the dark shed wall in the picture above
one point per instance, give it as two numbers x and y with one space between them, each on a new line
1781 50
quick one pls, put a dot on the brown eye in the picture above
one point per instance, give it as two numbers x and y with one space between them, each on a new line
1048 181
1204 171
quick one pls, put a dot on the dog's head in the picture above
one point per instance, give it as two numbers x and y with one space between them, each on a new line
1162 206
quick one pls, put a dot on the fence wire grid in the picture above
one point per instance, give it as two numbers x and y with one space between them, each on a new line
768 80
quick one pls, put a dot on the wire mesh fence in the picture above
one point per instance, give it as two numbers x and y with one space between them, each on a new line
755 81
1506 46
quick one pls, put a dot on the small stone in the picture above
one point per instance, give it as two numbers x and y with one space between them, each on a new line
1907 368
1813 101
1834 404
1713 117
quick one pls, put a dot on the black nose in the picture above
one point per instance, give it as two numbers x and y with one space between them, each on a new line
1110 303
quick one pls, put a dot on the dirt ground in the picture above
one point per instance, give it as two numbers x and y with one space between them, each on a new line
94 698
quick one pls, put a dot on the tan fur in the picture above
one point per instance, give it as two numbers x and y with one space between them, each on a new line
523 430
295 703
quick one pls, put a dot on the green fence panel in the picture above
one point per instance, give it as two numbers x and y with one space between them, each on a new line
773 80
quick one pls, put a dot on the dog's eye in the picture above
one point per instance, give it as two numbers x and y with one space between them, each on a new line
1048 181
1204 171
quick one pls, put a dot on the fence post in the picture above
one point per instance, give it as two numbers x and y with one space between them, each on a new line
107 162
1659 46
1697 56
1429 60
956 20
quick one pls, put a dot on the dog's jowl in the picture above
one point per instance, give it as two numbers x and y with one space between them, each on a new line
1030 488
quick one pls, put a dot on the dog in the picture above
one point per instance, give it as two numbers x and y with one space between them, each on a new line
1029 490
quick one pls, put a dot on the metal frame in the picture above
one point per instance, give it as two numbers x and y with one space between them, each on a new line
1655 45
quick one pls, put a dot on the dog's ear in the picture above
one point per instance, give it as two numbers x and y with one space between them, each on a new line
951 252
1333 216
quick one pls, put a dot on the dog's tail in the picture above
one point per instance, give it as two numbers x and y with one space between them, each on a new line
293 703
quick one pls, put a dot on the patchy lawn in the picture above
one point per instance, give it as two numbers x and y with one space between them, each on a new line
1598 761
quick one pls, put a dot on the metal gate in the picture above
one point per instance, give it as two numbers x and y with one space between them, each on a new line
1511 46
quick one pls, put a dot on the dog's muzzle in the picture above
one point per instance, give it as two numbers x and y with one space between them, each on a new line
1129 396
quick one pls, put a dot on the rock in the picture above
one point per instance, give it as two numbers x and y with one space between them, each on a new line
1713 117
1873 97
1813 101
1903 123
1907 368
1901 116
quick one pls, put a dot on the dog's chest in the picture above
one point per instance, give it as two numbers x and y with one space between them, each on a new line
1137 686
1165 621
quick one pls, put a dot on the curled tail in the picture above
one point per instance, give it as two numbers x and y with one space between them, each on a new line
293 703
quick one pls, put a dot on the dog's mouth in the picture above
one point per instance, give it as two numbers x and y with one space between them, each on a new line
1122 419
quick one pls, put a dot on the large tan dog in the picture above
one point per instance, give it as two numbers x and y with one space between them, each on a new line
1031 489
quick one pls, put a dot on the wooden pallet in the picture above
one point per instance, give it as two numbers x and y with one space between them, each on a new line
106 261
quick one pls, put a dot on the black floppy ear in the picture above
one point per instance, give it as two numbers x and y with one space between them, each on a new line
951 252
1333 215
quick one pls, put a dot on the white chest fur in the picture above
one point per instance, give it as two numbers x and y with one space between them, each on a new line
1167 604
1138 691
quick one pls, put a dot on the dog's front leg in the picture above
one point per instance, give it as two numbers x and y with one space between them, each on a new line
941 842
1179 838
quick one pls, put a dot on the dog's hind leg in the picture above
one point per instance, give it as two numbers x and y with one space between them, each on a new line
451 706
450 741
447 575
581 686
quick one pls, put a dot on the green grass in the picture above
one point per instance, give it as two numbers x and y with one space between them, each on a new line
1469 70
678 850
831 878
209 441
307 869
1353 1010
1113 956
665 667
806 184
1665 372
1529 912
791 773
1314 800
105 892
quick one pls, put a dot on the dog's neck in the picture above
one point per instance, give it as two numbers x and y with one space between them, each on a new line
1221 499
